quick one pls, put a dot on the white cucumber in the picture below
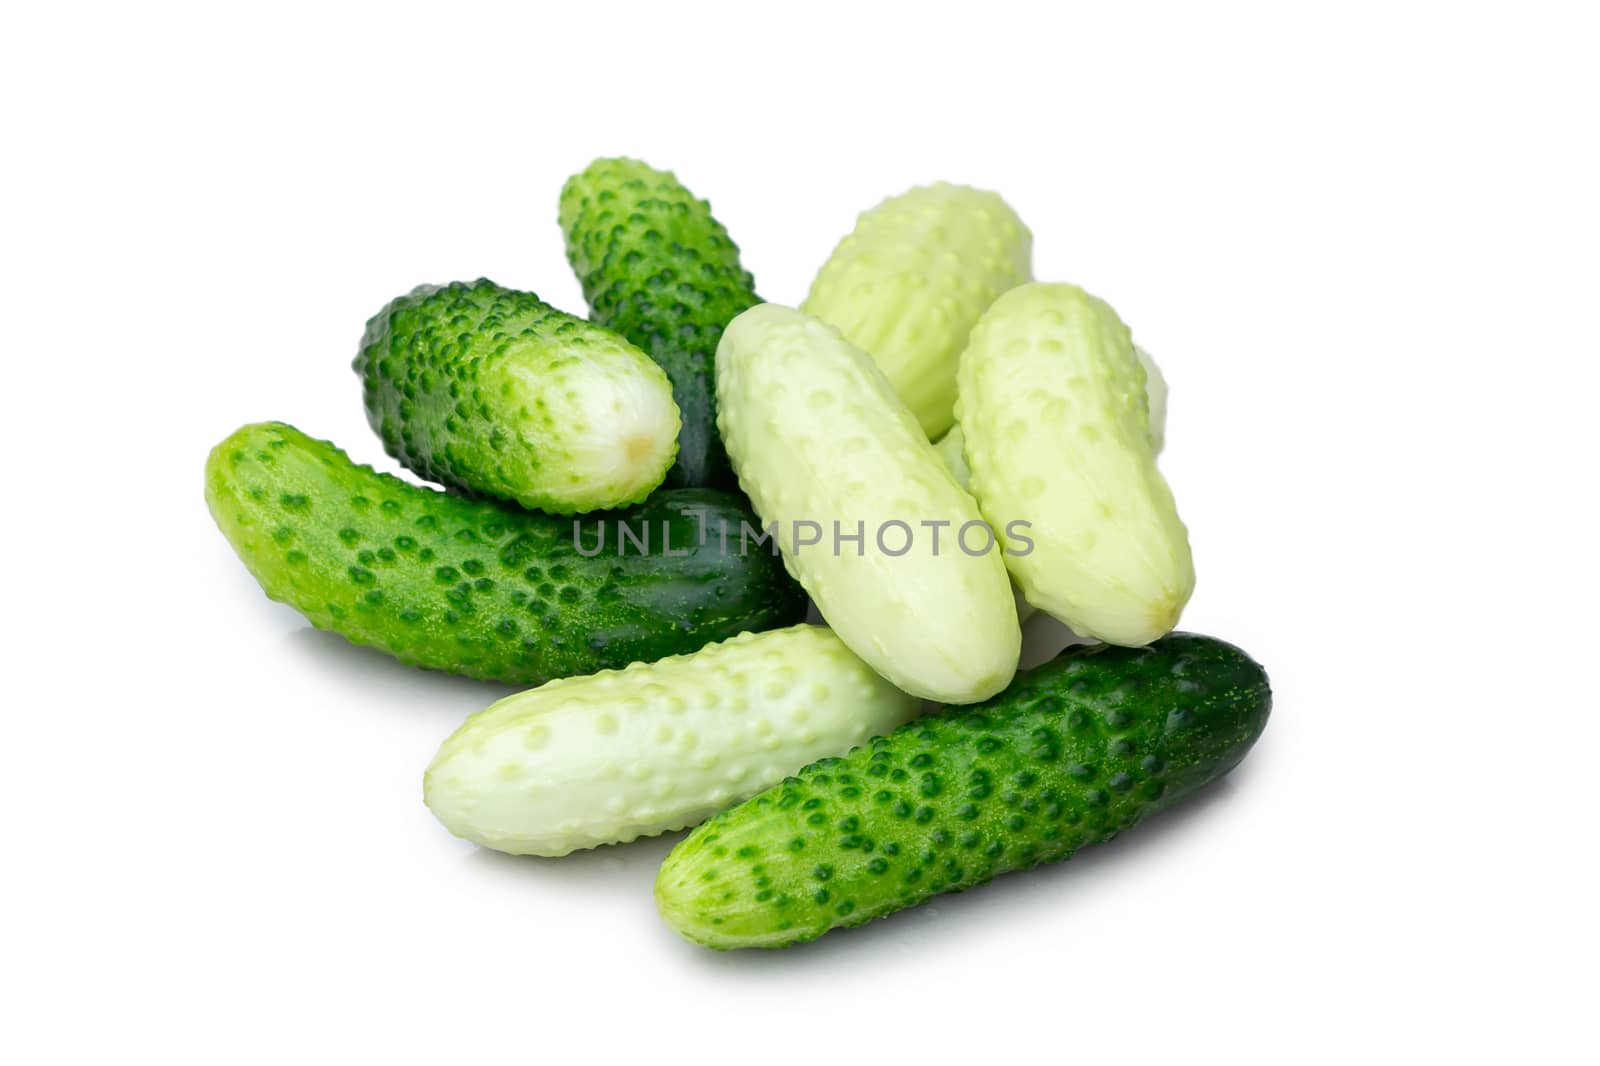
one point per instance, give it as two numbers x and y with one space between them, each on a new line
1057 434
902 567
908 283
609 757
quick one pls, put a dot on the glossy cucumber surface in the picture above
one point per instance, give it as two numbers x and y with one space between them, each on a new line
481 589
494 391
1073 753
657 267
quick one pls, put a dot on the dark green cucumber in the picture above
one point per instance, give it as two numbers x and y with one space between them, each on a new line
658 269
477 588
1074 752
494 391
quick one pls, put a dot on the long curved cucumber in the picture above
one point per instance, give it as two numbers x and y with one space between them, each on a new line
621 754
477 588
823 447
909 282
660 270
1074 752
1054 414
494 391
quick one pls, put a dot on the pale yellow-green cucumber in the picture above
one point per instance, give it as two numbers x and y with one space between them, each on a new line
951 446
1058 436
908 283
620 754
893 552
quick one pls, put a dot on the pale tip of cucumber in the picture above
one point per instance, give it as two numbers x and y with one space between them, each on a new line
610 442
1165 613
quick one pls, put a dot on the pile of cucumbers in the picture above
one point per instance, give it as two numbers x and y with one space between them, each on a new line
639 507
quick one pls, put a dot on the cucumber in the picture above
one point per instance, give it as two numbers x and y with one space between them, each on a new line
496 392
656 267
910 281
818 436
621 754
951 446
477 588
1054 414
1076 751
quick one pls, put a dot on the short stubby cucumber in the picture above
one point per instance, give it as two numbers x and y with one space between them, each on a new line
910 281
893 552
1076 751
621 754
482 589
951 446
1057 434
660 270
496 392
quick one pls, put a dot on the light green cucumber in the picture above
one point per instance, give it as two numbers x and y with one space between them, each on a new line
494 391
621 754
951 446
1058 436
657 267
480 588
902 566
1074 752
910 281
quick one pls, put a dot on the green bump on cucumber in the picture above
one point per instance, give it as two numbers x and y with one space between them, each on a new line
1074 752
477 588
908 283
494 391
657 267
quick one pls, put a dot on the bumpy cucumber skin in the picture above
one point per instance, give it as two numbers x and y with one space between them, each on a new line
817 434
657 267
494 391
1076 751
1057 433
473 587
909 282
613 756
952 446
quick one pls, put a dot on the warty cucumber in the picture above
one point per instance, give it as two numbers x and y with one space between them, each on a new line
620 754
818 437
496 392
1057 434
478 588
908 283
660 270
1074 752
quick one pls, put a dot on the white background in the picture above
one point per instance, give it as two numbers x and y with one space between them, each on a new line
1363 242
